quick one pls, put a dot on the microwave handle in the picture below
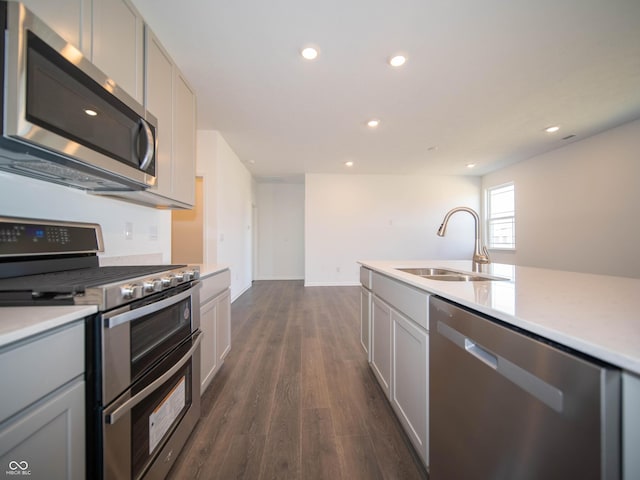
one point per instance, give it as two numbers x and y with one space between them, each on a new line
151 149
113 417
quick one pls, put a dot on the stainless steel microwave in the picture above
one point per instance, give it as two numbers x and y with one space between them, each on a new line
64 120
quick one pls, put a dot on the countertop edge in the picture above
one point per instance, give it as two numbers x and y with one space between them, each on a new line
20 323
210 269
625 360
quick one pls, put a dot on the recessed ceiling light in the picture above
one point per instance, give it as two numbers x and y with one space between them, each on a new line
90 112
348 164
471 165
552 129
397 60
310 53
373 123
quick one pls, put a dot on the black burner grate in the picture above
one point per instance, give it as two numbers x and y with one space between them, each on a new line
76 281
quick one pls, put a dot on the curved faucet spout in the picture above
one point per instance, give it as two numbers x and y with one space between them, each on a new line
480 253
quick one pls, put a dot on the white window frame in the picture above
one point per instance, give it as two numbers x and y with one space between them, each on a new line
489 218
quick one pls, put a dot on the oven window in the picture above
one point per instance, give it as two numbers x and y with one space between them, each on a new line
156 334
156 417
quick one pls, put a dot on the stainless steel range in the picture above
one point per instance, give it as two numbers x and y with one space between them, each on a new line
143 354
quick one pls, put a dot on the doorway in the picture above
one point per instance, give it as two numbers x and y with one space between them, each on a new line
187 231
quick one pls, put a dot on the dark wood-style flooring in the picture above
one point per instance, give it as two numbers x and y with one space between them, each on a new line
295 398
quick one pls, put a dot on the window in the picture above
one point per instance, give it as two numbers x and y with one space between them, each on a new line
501 220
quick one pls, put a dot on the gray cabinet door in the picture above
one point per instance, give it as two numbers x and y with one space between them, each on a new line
365 317
47 440
223 327
410 387
381 343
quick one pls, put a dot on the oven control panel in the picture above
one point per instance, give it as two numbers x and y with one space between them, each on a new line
24 237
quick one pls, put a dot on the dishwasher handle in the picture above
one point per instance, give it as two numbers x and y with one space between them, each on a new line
543 391
482 354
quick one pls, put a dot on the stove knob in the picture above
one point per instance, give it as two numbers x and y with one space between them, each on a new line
195 274
151 286
180 277
131 291
168 281
188 275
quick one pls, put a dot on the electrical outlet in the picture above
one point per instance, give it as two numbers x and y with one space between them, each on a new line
153 233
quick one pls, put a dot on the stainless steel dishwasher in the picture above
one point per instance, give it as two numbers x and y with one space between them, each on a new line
505 405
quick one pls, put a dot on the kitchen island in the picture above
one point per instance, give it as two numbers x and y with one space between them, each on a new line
597 315
594 315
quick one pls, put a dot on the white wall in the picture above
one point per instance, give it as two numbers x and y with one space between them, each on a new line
383 217
232 226
25 197
578 207
280 231
206 167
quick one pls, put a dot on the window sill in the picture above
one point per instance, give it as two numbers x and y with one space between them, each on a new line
501 249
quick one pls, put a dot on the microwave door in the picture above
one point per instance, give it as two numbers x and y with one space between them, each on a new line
60 108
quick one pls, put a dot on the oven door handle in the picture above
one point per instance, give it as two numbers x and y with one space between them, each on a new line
147 309
113 417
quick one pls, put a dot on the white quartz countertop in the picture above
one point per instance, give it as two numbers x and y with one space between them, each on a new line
208 269
17 323
597 315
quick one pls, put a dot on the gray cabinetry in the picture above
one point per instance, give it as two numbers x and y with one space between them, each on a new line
68 18
223 326
365 320
410 386
170 98
365 310
399 353
630 426
108 32
42 413
381 343
215 323
118 36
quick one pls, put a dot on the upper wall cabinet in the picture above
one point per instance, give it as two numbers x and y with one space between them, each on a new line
184 140
170 98
110 33
71 19
118 36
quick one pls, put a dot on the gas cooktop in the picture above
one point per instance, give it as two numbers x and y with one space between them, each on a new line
55 263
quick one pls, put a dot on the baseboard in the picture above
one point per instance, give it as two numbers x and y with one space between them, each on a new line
331 284
234 297
278 278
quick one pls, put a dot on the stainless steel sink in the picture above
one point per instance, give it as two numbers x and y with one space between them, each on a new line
423 272
445 275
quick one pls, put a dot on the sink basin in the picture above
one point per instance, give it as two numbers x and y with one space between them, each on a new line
423 272
445 275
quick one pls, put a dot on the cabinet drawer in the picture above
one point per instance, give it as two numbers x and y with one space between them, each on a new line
365 277
31 370
413 302
214 285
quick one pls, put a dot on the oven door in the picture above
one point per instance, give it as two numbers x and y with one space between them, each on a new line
135 339
146 427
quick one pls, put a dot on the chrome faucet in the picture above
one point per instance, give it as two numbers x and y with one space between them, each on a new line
480 254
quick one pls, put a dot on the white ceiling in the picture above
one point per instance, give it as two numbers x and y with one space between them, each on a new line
482 80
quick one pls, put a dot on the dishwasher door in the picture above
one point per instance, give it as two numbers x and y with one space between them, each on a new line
504 405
